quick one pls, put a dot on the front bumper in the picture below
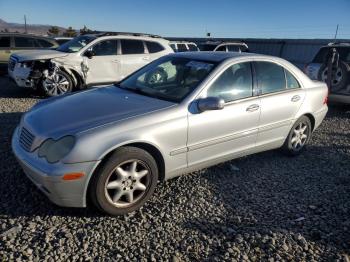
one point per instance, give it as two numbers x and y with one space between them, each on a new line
48 177
21 76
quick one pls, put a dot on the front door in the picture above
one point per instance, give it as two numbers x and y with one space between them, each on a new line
223 134
104 65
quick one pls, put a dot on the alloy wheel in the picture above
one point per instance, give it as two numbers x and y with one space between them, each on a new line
55 85
299 136
127 183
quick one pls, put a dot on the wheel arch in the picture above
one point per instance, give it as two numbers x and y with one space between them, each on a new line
312 120
76 77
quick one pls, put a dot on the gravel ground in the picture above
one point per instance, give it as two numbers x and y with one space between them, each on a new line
265 207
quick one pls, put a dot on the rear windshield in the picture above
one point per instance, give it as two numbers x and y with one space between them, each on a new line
321 56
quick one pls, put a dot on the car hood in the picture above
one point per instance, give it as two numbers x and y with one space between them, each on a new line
79 112
30 55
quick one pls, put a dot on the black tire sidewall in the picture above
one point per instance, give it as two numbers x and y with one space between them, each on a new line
98 181
67 76
346 74
287 147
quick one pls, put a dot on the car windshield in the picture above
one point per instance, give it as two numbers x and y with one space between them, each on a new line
76 44
168 78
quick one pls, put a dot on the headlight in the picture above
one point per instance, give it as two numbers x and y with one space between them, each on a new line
54 151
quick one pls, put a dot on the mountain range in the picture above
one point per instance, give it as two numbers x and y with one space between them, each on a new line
31 28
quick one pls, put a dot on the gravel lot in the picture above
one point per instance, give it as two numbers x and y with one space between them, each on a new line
266 207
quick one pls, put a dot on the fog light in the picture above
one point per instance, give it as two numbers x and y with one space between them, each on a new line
72 176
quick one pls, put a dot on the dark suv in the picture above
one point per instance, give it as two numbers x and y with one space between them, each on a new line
340 84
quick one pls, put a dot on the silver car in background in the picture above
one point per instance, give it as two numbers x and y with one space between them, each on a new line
180 113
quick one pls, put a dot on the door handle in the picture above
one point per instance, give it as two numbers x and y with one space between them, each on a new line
252 108
295 98
145 58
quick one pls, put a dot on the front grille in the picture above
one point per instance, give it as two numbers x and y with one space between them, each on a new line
12 64
26 139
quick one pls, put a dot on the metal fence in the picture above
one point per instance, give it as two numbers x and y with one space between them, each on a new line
297 51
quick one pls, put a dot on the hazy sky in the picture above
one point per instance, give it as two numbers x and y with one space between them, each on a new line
223 18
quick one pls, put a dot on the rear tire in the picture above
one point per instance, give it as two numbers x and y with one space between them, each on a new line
125 182
298 137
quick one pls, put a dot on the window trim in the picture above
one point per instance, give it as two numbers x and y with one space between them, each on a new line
146 47
285 75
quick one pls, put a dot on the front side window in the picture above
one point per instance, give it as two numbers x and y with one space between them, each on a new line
270 77
169 78
234 83
192 47
221 48
131 47
25 42
154 47
5 41
76 44
105 48
233 48
292 82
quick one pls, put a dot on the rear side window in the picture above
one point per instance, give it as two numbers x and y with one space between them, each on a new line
130 47
292 82
154 47
105 48
25 42
45 43
234 83
5 41
270 77
181 48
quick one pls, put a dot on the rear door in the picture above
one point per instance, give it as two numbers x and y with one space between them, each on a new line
104 66
133 56
5 49
281 97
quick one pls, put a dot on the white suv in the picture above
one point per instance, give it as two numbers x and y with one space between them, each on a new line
86 60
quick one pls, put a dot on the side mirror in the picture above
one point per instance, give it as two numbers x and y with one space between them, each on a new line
210 103
89 54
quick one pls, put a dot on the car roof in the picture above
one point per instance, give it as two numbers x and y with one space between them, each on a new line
216 56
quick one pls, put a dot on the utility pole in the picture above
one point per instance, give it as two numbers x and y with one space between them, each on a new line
25 24
336 32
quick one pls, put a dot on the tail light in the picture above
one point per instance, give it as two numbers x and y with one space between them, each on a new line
325 101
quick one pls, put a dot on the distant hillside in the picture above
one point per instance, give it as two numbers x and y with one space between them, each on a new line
33 29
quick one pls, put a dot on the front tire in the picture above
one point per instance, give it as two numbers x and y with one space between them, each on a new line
298 137
58 84
125 182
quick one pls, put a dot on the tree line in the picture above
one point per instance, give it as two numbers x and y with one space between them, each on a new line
69 32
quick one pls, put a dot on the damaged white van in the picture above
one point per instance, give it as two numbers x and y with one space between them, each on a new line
87 60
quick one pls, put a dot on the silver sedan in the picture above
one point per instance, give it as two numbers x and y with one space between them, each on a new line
181 113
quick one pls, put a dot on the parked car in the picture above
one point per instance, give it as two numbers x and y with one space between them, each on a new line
183 46
114 144
317 70
62 39
87 60
224 46
14 42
